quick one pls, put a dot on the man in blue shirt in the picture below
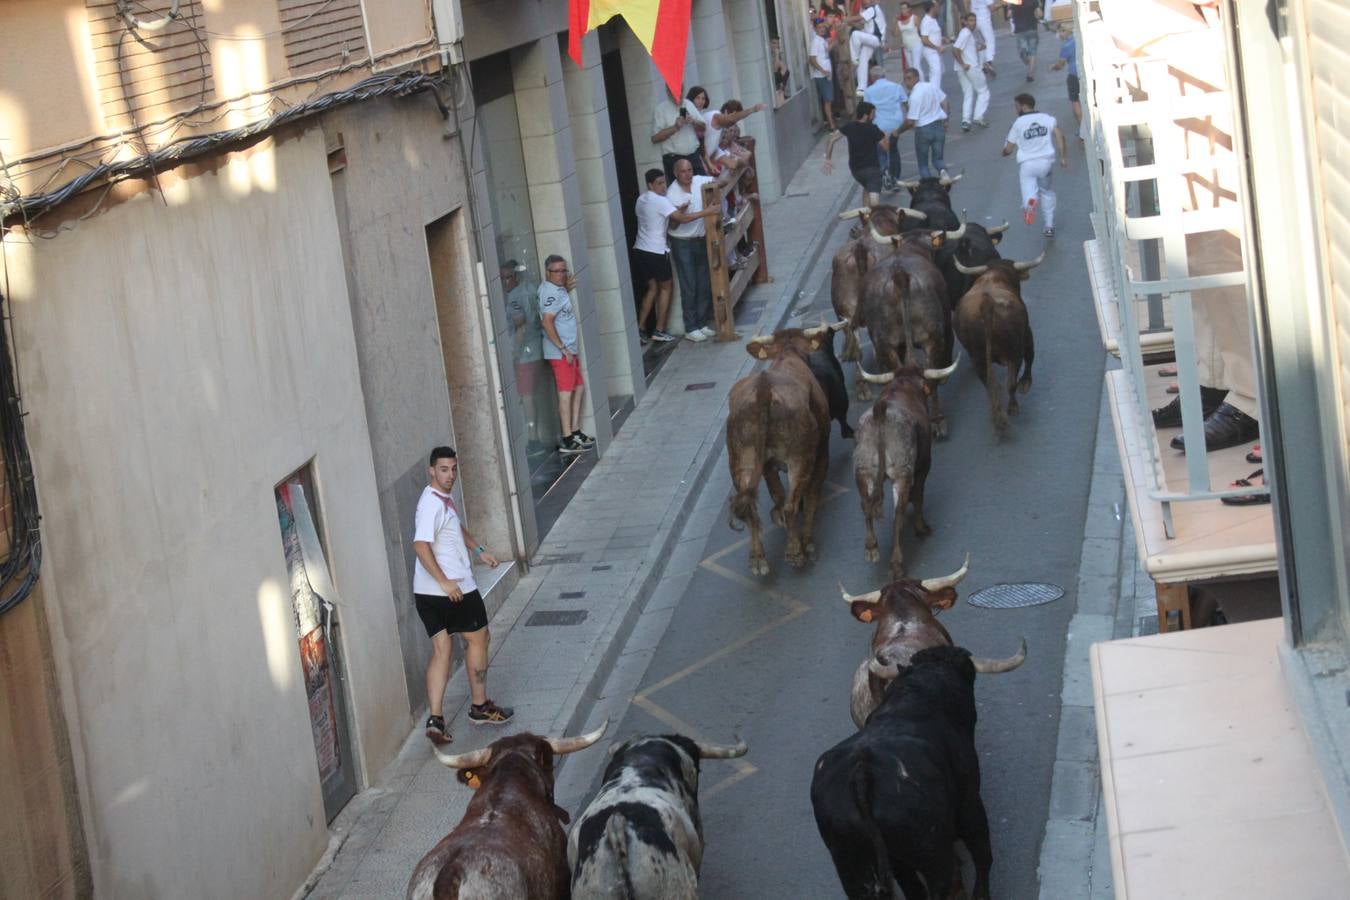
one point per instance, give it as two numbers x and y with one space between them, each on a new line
1068 56
888 98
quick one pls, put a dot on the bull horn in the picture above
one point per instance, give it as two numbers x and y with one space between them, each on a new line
860 212
812 332
882 238
876 379
999 229
840 325
911 185
885 673
470 760
563 746
948 182
997 666
871 597
912 213
942 375
958 233
717 751
969 270
1030 264
952 580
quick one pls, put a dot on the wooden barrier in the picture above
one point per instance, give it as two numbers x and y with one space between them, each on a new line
722 235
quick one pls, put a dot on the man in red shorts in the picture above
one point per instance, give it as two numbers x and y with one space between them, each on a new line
560 349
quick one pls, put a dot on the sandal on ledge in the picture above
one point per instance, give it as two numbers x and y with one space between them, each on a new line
1249 499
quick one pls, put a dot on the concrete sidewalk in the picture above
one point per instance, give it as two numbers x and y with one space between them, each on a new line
559 633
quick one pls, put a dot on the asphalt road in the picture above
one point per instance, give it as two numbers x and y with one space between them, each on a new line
771 659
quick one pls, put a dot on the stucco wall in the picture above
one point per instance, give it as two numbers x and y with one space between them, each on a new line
401 173
180 356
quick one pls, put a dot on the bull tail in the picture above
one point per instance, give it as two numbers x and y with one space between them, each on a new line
744 503
616 836
900 278
860 258
860 787
996 410
1029 354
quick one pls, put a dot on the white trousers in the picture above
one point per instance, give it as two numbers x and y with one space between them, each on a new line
974 93
1037 177
931 70
985 25
860 47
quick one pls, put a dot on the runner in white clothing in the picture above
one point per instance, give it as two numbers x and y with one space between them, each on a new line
869 31
930 35
966 64
1036 137
984 23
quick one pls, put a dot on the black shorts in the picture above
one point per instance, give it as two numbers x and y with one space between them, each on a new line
869 178
1073 88
441 614
648 266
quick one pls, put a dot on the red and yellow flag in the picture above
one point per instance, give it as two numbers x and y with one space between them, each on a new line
661 25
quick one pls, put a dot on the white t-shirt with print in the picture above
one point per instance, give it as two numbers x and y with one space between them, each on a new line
653 215
1033 134
437 523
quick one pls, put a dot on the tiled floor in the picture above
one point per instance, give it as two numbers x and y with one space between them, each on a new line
1210 784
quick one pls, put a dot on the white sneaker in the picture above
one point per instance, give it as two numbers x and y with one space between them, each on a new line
698 335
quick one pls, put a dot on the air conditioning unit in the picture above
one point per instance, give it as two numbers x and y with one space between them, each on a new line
449 30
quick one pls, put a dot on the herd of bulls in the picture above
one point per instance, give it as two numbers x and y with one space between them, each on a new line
891 800
917 278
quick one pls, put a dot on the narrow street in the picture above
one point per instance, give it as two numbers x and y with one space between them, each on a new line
771 659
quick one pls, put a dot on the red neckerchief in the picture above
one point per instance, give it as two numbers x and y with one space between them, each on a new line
449 504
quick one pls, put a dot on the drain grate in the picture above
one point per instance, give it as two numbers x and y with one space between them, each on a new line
1016 596
556 617
700 386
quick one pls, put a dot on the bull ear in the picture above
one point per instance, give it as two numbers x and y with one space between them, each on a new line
757 350
941 599
469 777
939 238
995 238
864 611
819 341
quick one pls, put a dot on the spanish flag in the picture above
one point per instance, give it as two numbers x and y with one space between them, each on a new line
661 25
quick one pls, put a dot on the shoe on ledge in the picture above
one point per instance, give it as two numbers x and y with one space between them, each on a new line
1169 416
1226 427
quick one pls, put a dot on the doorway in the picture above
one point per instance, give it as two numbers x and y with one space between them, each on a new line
313 602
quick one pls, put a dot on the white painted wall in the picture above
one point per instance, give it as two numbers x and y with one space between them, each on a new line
179 357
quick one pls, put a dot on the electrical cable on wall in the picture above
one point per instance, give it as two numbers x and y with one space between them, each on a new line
23 558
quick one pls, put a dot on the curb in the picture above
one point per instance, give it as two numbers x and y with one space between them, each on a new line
584 697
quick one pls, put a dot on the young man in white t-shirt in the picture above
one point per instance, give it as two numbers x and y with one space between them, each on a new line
1035 136
930 35
822 70
966 64
651 256
869 32
447 598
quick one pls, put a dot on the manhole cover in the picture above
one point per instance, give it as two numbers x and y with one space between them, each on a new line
1015 596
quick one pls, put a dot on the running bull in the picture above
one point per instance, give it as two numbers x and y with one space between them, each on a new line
992 324
642 836
905 616
779 420
891 800
894 442
510 844
854 258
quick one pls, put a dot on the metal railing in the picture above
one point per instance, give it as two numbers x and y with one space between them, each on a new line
1137 111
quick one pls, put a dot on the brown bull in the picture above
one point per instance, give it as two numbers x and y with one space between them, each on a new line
854 258
893 442
905 617
992 324
904 306
779 419
510 844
